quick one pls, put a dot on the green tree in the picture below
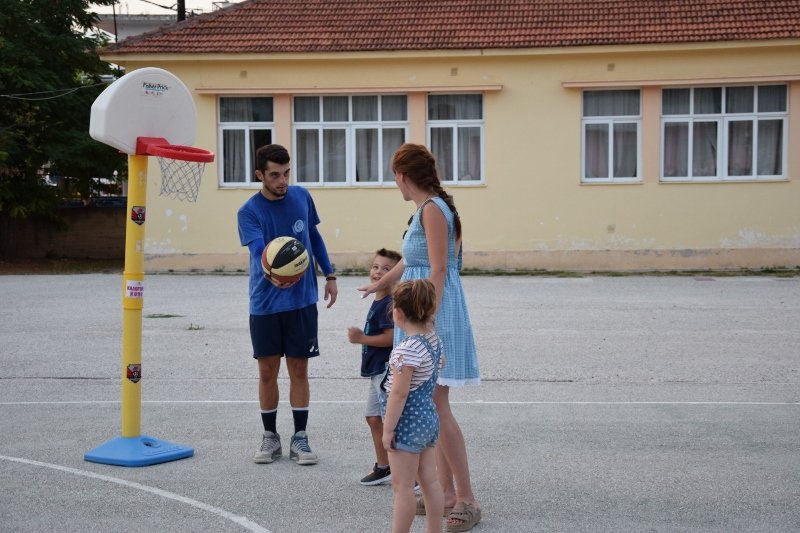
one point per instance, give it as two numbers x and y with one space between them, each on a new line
49 76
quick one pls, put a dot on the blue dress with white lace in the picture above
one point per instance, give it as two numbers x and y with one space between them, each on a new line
452 319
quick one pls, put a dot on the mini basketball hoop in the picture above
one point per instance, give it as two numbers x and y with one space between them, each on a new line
146 112
150 111
181 166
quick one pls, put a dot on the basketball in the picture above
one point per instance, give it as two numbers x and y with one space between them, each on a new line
285 259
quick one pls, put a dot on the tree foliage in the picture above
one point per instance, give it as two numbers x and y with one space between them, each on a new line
49 76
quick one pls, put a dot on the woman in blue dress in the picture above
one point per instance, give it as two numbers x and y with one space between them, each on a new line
432 249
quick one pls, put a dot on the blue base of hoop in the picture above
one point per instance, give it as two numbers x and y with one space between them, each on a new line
137 451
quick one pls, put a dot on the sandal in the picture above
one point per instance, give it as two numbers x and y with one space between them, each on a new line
467 514
421 508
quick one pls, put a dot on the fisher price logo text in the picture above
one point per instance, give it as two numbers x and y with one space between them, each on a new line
154 88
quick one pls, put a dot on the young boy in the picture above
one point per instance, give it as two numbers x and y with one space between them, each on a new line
376 346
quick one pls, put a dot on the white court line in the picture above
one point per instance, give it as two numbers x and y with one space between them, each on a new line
467 402
240 520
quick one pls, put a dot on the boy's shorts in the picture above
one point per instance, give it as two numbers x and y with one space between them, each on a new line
374 396
289 333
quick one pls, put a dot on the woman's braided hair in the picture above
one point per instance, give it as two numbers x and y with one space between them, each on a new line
419 165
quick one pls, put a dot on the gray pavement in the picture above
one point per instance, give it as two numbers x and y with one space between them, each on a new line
607 404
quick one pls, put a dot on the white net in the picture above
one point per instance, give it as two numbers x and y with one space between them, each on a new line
180 179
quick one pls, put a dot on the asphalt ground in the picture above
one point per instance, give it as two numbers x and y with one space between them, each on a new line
607 404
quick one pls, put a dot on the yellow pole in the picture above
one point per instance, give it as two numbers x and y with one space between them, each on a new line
132 448
133 297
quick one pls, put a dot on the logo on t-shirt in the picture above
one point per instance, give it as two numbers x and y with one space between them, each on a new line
299 226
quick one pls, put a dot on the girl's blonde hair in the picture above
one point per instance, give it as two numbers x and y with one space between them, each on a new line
416 298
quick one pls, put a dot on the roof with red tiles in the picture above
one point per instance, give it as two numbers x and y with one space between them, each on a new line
283 26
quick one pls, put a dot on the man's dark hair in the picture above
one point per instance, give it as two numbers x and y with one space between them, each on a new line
389 254
271 152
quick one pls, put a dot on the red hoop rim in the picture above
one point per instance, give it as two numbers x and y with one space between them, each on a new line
182 153
162 148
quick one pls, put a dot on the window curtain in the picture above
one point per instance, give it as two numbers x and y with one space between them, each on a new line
740 148
708 101
455 107
625 153
335 109
393 138
611 103
469 154
394 107
704 149
771 99
367 153
307 155
676 149
365 108
233 154
596 148
236 110
442 148
306 109
770 147
739 99
334 155
234 142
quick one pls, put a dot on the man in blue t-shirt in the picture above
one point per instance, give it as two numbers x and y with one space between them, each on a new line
283 316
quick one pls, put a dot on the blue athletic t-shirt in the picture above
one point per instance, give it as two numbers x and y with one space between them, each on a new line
293 216
379 318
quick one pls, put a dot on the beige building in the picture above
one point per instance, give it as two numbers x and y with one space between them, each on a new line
576 135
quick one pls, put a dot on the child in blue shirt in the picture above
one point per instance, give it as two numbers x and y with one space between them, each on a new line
376 346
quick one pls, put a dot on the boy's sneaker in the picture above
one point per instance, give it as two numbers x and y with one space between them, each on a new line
270 448
299 451
377 476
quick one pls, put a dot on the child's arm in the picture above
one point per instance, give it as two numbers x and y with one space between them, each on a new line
401 384
384 339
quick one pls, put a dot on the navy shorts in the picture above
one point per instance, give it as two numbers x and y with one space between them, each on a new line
289 333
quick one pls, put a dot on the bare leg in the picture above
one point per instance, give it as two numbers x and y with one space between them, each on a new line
444 473
299 391
376 429
268 368
452 452
404 469
431 491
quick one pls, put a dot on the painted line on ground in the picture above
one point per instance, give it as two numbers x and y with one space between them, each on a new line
466 402
240 520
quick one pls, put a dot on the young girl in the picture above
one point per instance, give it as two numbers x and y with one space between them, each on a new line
410 424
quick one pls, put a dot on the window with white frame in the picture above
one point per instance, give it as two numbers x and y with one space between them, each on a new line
245 124
723 133
348 140
455 133
611 136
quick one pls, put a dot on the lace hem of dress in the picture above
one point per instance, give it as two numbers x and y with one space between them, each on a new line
455 383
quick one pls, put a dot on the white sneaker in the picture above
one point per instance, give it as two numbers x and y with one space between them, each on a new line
270 448
299 451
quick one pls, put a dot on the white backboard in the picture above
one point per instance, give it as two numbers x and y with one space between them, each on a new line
149 102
